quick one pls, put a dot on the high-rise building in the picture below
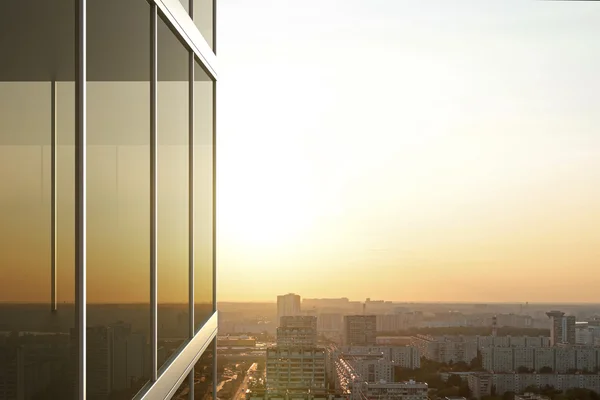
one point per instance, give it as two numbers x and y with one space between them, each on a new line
288 305
295 370
562 329
360 330
297 331
107 177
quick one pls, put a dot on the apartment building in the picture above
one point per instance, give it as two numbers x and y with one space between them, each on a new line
410 390
288 305
295 370
512 341
360 330
481 384
557 359
562 328
403 356
107 141
445 348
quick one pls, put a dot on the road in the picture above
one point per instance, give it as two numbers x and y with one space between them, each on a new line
240 394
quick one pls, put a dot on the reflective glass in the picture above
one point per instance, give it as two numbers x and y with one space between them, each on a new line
36 356
173 221
203 196
203 17
118 198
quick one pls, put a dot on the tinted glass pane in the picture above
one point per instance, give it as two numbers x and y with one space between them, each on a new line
173 222
203 379
203 196
35 355
118 202
203 17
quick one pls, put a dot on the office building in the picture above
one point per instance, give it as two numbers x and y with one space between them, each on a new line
288 305
360 330
562 329
107 133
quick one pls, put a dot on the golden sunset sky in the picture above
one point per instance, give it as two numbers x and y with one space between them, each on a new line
440 151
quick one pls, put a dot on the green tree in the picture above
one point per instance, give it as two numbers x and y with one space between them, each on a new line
508 395
465 391
546 370
454 380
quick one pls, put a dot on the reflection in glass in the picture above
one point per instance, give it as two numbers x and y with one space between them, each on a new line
37 95
203 196
203 17
118 198
173 221
203 379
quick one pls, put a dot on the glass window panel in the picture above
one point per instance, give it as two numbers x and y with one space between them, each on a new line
36 358
203 17
203 196
173 221
203 379
118 198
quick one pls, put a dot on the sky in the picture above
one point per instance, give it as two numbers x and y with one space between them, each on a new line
409 151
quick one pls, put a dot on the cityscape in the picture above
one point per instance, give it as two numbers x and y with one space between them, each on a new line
335 348
299 200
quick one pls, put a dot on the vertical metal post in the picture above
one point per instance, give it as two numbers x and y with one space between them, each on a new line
191 205
53 144
153 193
80 197
191 208
214 196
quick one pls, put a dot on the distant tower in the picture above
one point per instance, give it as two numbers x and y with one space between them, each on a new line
494 326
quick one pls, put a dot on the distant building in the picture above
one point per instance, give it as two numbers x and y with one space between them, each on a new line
288 305
559 359
531 396
410 390
236 341
446 349
360 330
481 384
562 329
295 370
393 340
297 331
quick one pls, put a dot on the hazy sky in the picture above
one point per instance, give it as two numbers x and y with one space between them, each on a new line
409 150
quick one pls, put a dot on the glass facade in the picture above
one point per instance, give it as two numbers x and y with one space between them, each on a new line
106 198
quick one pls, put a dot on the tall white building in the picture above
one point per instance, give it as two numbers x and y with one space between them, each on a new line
288 305
562 329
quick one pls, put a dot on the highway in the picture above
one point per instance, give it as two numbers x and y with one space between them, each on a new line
240 394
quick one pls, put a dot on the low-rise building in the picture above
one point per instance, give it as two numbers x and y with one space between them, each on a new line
410 390
483 384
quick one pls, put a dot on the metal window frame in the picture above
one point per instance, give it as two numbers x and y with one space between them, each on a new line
165 385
